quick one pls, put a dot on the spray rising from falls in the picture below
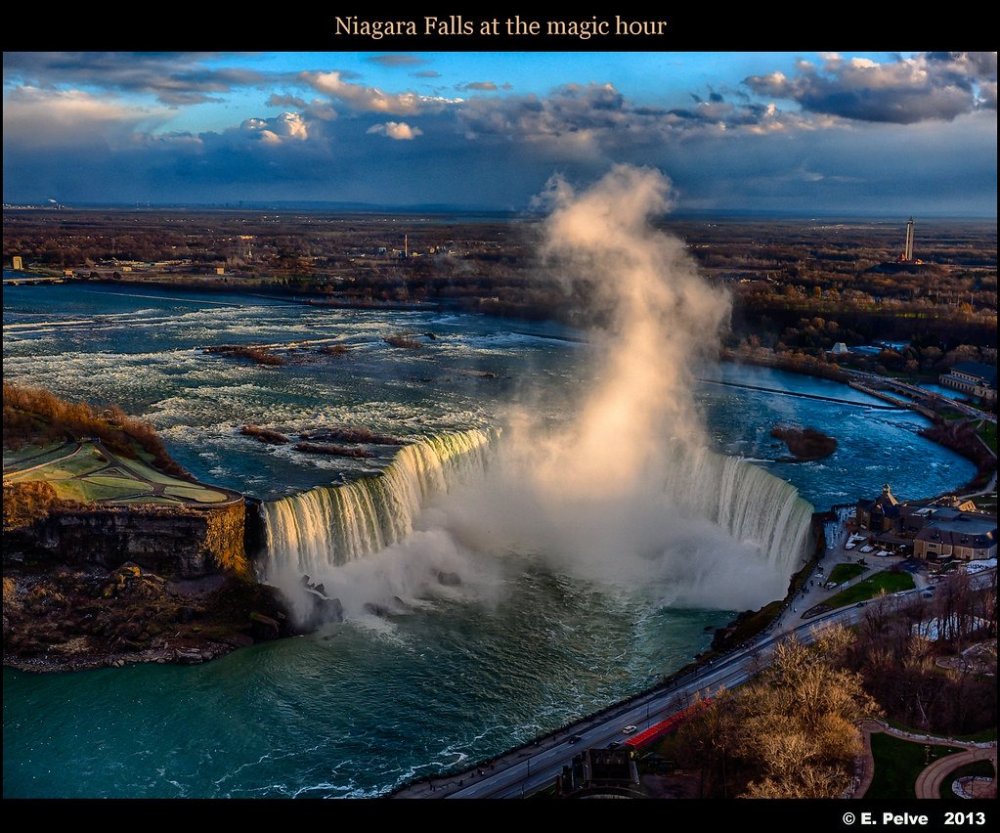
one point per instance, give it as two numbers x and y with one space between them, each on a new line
622 489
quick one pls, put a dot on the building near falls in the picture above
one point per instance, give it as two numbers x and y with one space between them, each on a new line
972 379
601 773
949 533
936 530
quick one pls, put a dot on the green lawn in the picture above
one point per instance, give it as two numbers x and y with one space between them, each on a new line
60 467
871 587
88 476
898 763
974 737
975 768
33 455
84 492
845 572
192 492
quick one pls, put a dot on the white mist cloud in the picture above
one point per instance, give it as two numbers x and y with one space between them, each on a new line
660 318
624 490
621 489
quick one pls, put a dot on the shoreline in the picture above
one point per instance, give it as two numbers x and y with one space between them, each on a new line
206 649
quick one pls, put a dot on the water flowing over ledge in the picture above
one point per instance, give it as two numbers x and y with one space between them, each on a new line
750 503
325 527
333 525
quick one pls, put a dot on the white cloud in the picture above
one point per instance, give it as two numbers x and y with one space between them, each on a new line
905 91
371 99
52 118
286 126
398 130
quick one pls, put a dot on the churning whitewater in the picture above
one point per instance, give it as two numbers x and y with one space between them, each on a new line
622 489
471 484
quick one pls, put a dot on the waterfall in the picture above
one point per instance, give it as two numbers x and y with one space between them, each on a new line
750 503
332 525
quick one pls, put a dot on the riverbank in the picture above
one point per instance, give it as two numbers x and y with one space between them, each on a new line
957 436
107 558
75 618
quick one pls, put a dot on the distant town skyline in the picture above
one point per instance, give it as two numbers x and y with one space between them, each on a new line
807 133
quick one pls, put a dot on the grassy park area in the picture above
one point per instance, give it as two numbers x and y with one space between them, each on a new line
898 763
869 588
88 472
845 572
980 768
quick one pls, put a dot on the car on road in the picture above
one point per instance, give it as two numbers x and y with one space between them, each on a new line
575 739
630 729
614 744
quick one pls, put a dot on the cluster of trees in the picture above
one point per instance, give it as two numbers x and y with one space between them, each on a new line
26 502
34 416
894 653
790 733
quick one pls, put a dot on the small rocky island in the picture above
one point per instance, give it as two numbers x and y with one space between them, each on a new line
112 553
804 444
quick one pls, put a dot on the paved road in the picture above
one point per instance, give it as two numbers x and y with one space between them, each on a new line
929 781
924 787
523 771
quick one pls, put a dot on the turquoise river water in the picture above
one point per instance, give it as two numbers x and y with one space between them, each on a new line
524 645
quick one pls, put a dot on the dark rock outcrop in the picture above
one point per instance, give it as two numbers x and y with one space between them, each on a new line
73 617
805 444
168 540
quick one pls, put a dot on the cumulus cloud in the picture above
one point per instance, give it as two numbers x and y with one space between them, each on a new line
55 118
586 117
907 90
398 130
371 99
174 78
310 110
285 127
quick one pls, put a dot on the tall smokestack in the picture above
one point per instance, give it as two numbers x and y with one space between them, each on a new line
908 248
406 244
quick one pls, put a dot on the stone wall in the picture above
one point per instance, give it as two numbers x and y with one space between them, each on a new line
179 541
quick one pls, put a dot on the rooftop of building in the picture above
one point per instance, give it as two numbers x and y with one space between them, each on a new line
984 371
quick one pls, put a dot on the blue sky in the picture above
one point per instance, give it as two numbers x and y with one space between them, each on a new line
807 133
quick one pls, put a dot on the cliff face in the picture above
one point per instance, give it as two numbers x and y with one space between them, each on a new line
90 585
172 541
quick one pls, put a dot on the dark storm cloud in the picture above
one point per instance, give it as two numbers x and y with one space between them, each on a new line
905 91
600 116
725 149
397 60
174 78
275 100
